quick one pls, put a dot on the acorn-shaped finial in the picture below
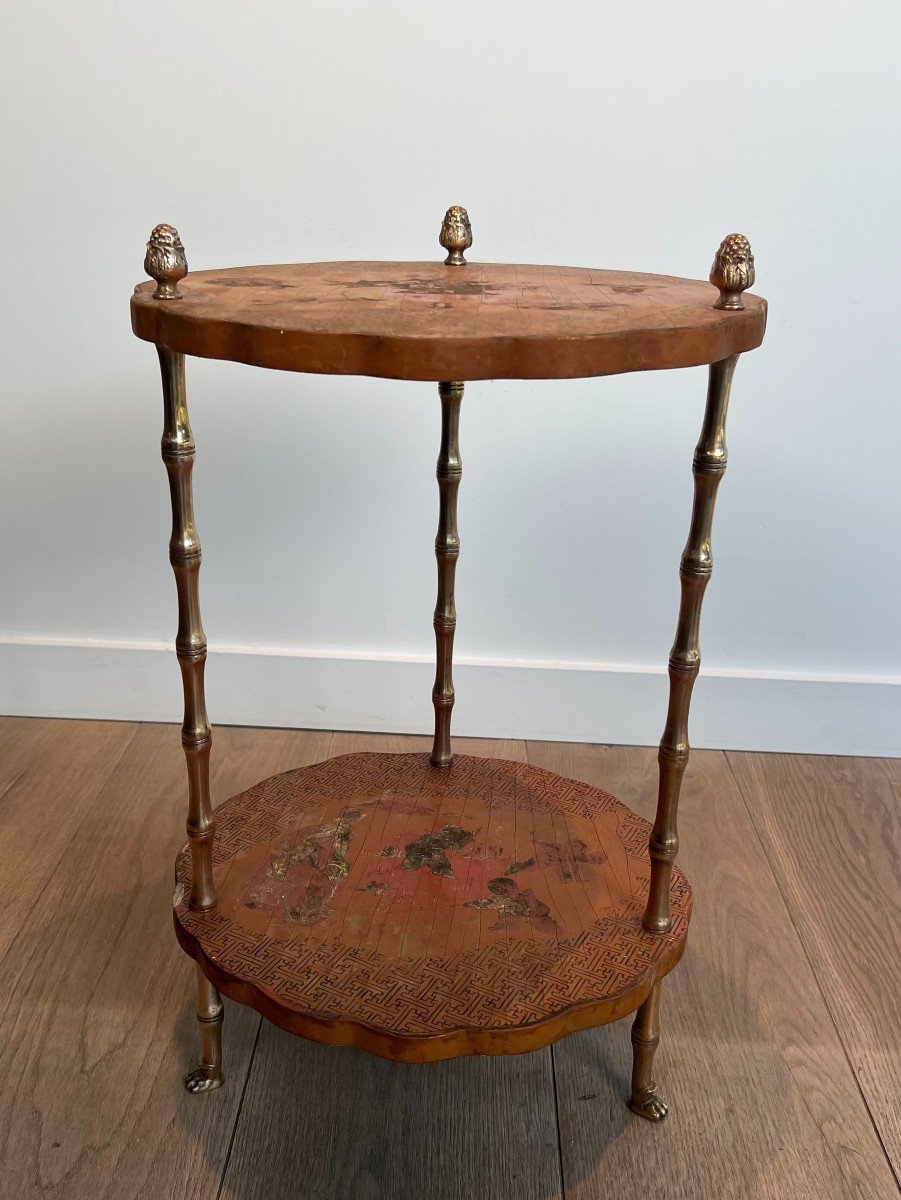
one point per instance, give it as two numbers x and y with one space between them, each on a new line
165 262
732 270
456 235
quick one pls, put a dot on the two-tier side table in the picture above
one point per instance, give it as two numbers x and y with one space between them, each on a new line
423 906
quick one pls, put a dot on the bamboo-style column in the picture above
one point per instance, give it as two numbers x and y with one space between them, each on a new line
732 273
447 551
190 642
166 264
685 657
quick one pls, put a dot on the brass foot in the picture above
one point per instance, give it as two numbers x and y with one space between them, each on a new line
207 1075
203 1079
645 1101
649 1105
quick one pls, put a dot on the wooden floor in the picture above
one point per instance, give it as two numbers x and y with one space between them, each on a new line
780 1052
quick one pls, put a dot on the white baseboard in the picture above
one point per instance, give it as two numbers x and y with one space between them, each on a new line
553 701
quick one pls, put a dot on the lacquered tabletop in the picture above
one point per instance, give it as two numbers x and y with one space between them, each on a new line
428 320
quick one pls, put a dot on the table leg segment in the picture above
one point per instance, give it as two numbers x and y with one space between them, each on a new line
685 657
447 551
190 642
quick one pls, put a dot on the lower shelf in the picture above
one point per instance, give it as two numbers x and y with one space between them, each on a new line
420 913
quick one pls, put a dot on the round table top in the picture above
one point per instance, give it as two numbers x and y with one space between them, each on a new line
426 320
423 912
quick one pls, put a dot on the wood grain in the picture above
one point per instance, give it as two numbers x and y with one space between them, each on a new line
97 1025
323 1122
832 830
762 1102
96 1011
50 773
425 320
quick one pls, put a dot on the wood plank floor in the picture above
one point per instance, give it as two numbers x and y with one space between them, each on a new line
780 1051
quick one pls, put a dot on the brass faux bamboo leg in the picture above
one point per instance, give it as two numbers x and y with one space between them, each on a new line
685 658
447 551
208 1074
645 1036
190 642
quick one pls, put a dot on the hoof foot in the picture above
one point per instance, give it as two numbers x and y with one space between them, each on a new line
649 1105
203 1079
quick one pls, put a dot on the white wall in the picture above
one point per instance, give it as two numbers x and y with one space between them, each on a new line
621 135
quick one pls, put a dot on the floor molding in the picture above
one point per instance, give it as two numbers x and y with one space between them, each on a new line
737 709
